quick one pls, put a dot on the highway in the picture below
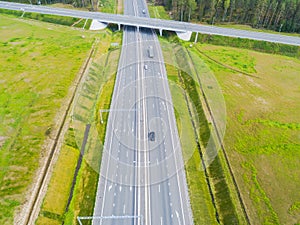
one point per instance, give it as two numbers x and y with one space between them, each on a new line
146 22
142 179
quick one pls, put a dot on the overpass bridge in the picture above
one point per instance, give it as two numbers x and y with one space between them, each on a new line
157 24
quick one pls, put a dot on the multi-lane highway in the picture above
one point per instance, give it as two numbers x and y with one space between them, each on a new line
146 22
142 178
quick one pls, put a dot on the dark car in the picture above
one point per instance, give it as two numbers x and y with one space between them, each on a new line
151 136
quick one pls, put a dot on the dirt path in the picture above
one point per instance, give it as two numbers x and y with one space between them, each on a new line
120 7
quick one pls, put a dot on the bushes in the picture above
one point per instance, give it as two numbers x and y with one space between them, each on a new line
261 46
68 21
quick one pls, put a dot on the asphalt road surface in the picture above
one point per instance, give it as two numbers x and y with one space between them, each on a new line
129 19
142 178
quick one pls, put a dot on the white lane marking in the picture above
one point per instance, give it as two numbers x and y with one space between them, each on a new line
159 188
127 154
161 220
124 208
178 218
120 188
157 161
130 188
115 194
114 204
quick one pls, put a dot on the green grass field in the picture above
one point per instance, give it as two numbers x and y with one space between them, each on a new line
100 82
262 135
38 61
158 12
214 183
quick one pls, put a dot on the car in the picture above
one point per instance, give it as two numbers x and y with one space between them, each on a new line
150 52
151 136
145 67
144 11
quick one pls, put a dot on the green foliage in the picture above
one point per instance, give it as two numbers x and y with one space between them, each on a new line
222 193
262 137
32 90
295 208
158 12
203 213
280 16
258 194
68 21
261 46
108 6
222 196
190 87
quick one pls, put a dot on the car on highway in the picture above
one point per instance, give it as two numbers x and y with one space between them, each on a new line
150 52
151 136
145 67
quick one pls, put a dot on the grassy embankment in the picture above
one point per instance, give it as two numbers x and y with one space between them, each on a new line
97 95
203 213
261 46
108 6
247 27
214 183
67 21
158 12
262 135
37 68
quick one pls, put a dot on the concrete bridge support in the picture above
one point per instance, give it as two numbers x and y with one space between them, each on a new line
160 32
196 38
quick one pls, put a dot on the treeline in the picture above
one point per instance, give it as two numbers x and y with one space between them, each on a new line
279 15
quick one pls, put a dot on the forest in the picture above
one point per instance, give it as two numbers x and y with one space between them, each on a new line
278 15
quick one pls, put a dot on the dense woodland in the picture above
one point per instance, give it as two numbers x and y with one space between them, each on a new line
279 15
